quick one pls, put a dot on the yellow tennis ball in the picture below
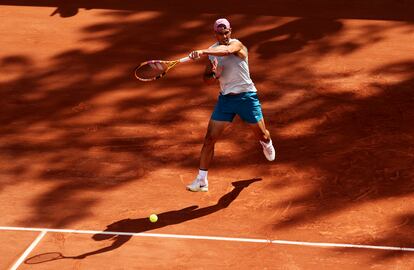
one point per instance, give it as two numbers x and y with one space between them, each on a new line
153 218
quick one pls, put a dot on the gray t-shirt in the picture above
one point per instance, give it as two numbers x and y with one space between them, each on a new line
235 75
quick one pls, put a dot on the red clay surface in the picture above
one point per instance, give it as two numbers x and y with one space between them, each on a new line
12 245
85 146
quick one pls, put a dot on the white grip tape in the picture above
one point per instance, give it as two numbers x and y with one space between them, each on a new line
185 59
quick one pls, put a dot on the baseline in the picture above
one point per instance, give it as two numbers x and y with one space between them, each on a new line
200 237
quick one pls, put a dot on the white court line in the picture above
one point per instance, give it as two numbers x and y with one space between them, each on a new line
28 250
216 238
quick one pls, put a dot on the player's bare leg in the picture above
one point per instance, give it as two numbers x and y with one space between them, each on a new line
263 135
214 131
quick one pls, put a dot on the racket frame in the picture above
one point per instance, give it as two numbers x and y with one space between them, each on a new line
170 64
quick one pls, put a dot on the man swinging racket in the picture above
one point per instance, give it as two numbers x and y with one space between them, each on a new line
229 64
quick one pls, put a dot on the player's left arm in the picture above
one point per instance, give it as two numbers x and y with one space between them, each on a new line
209 75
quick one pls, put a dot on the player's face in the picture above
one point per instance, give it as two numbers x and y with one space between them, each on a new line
223 36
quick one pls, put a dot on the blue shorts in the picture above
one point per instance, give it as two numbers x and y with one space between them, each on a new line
246 105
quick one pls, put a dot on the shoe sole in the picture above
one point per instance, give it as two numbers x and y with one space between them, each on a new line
203 189
268 158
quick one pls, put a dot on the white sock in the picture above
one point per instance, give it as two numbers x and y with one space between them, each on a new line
267 143
202 176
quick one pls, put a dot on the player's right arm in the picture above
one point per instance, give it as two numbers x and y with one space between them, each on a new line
234 47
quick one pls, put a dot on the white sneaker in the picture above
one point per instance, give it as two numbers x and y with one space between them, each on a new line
268 150
197 185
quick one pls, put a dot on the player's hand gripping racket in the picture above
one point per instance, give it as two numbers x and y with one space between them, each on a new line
155 69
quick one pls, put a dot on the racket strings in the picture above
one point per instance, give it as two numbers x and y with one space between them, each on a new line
151 70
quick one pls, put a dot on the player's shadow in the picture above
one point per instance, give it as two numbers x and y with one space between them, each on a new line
164 219
66 9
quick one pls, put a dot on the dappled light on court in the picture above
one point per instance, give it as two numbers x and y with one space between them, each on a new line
83 144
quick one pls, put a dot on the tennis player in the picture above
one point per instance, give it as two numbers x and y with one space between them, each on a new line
228 63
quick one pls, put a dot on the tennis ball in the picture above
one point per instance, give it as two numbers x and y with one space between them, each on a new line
153 218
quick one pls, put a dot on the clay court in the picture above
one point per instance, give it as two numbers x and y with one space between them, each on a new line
87 152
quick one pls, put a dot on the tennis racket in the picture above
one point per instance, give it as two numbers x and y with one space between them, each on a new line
46 257
155 69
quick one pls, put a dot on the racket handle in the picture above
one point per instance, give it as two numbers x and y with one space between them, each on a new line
185 59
